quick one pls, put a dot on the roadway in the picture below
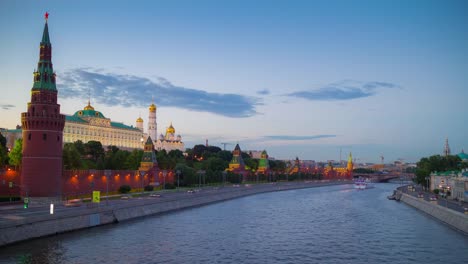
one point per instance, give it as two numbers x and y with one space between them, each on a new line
458 206
15 213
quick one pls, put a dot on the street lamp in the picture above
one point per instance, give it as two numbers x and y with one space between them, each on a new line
142 174
178 173
164 179
107 173
427 183
224 177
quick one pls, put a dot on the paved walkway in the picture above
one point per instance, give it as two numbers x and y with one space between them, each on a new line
458 206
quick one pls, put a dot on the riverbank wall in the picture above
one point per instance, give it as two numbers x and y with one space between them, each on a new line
21 229
450 217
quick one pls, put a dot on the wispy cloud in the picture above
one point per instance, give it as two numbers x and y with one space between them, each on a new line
264 92
345 90
6 106
285 137
130 90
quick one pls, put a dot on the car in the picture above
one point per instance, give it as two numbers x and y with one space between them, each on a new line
73 203
433 198
155 195
190 191
420 195
125 197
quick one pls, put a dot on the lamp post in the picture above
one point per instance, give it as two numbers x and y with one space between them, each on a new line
178 173
107 173
427 183
142 174
164 179
224 177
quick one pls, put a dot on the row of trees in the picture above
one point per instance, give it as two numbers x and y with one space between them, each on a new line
13 157
211 161
437 163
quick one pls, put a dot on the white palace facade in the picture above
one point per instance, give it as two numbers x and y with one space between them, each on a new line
91 125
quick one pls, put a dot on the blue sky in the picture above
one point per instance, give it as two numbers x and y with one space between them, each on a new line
297 78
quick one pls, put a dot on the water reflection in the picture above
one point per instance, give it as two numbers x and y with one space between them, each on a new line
320 225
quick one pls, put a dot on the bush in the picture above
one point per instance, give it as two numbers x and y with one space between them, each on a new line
436 191
169 186
125 189
149 188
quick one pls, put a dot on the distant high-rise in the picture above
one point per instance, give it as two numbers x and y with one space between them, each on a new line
446 148
43 125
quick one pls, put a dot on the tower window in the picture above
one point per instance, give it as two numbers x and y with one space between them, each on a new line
58 138
44 136
29 136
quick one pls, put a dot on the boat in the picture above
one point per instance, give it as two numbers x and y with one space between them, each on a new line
362 184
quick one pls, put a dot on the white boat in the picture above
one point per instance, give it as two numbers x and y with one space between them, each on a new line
362 184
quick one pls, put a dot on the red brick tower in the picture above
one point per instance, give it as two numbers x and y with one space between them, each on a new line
42 130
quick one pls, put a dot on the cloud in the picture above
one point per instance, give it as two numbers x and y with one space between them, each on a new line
345 90
129 90
6 106
263 92
284 137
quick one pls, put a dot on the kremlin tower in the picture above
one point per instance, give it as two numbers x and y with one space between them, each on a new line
42 130
263 164
152 126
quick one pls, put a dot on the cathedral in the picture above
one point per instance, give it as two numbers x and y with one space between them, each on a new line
168 141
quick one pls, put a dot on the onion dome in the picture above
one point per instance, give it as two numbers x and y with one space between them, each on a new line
170 129
161 137
179 138
139 120
89 107
152 107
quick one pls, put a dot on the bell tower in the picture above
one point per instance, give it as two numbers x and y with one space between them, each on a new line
42 130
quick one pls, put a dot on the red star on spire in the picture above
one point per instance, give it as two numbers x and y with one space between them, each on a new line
46 15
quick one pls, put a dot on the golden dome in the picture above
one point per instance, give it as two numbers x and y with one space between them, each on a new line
152 107
170 129
89 107
140 120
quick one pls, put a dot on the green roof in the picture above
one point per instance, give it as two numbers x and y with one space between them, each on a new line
44 77
74 118
45 35
14 130
463 156
445 173
122 125
89 113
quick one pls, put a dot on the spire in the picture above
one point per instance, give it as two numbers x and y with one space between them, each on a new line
447 147
45 35
44 77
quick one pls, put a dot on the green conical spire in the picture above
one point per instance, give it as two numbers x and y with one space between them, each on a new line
44 77
45 35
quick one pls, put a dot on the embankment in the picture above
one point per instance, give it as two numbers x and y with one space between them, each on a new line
21 228
450 217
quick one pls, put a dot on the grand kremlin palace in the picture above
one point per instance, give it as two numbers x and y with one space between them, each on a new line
91 125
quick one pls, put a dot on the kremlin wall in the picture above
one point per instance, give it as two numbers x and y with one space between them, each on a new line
44 130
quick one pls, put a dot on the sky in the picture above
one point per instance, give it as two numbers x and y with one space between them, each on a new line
296 78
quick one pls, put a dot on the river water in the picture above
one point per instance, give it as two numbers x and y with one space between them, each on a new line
334 224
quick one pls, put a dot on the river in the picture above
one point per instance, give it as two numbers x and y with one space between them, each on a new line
335 224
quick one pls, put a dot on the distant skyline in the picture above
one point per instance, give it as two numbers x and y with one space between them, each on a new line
297 78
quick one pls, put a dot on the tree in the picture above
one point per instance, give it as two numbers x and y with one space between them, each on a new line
436 163
16 154
133 160
3 151
71 157
94 150
187 174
